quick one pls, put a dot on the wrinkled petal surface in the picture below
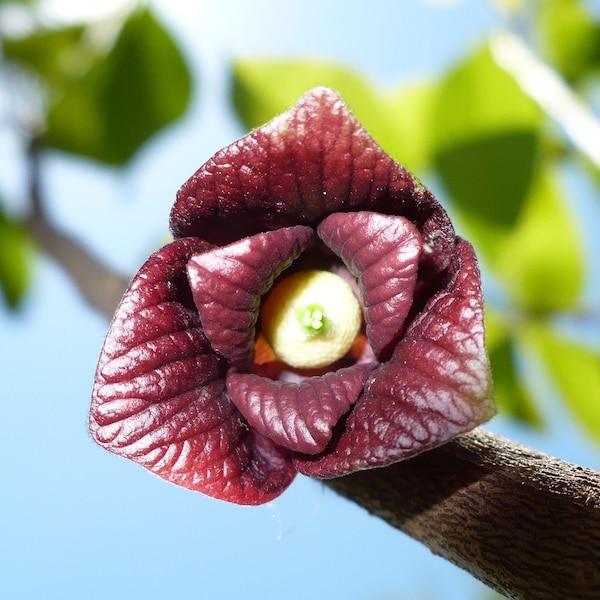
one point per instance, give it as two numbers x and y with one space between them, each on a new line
311 161
159 394
436 385
227 284
299 416
382 251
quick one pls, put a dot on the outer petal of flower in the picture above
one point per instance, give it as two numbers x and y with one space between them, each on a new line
159 394
311 161
227 283
299 416
436 385
382 251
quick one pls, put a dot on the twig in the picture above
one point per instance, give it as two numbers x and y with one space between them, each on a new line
99 285
524 523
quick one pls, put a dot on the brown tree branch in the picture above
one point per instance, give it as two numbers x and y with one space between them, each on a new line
100 286
524 523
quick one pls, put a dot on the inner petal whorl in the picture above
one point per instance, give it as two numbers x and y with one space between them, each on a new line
228 282
383 252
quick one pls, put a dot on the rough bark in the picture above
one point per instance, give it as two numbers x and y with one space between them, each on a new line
524 523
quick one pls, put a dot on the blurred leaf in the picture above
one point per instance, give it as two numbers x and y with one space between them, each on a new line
570 37
496 329
574 369
407 114
513 397
488 177
15 260
541 262
55 55
479 99
397 120
487 237
142 85
592 171
486 140
18 2
263 89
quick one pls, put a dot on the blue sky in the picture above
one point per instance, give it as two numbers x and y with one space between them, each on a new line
78 522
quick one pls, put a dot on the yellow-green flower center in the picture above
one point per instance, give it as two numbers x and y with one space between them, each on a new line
311 319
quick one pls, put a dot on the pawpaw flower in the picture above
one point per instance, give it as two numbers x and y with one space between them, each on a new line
315 313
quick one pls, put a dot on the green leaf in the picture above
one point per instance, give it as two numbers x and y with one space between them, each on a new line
263 89
142 85
57 56
513 396
575 371
409 132
488 177
486 140
541 262
497 330
18 2
478 98
570 37
15 260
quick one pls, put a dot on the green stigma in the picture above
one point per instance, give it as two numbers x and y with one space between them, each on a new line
313 320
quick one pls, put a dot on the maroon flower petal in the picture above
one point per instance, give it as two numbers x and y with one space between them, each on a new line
436 385
227 283
159 394
382 251
299 416
313 160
